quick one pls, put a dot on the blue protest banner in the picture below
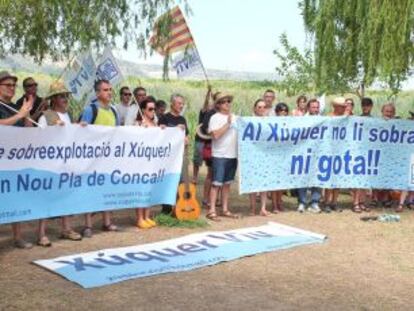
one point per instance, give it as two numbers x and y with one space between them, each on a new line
66 170
194 251
329 152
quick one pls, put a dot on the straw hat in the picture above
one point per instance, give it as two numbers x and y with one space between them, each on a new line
339 101
57 88
220 96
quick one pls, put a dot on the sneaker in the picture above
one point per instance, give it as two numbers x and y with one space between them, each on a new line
87 232
301 208
142 224
336 208
327 208
22 244
314 208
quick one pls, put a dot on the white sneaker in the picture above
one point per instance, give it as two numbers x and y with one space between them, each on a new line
301 208
314 208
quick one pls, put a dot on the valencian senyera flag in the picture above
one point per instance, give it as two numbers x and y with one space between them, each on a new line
171 33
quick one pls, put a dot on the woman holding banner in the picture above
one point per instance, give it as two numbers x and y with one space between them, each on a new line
56 115
145 118
13 115
260 110
281 110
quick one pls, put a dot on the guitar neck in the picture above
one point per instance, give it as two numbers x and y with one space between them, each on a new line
185 170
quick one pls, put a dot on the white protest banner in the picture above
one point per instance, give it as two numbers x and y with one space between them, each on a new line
108 69
65 170
187 63
80 75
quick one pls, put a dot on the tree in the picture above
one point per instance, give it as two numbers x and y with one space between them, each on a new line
55 28
295 69
361 41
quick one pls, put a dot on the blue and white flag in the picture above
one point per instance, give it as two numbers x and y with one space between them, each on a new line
108 69
187 63
80 75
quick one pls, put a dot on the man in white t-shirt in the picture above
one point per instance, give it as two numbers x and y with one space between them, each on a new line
140 94
124 106
222 127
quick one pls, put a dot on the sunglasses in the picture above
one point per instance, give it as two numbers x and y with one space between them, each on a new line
65 96
9 84
127 94
224 101
30 85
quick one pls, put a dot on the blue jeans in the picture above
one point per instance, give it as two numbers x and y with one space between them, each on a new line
224 171
315 195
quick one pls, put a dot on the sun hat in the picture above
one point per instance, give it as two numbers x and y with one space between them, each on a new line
56 88
6 75
339 101
220 96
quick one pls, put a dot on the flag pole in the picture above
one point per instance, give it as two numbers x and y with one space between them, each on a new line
202 65
16 111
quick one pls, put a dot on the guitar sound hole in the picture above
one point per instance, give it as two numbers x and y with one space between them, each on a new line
187 195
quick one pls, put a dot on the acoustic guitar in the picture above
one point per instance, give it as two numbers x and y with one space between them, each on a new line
187 207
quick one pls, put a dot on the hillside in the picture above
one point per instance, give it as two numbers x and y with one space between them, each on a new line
19 63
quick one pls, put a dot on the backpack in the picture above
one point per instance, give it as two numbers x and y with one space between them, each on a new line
95 113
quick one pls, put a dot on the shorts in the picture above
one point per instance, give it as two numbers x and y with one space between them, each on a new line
224 171
198 153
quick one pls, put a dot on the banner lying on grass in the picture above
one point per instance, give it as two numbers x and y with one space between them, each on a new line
64 170
186 253
341 152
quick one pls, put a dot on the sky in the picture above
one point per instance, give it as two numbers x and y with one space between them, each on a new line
238 35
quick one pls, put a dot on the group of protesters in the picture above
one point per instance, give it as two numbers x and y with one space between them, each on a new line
215 144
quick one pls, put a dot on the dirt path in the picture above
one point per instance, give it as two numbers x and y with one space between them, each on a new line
362 266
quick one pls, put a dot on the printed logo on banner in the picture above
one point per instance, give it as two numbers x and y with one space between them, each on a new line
107 70
80 76
186 63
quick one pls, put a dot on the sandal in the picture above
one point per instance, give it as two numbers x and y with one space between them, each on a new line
212 216
400 208
356 208
71 235
364 207
265 213
229 214
110 228
373 203
44 242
